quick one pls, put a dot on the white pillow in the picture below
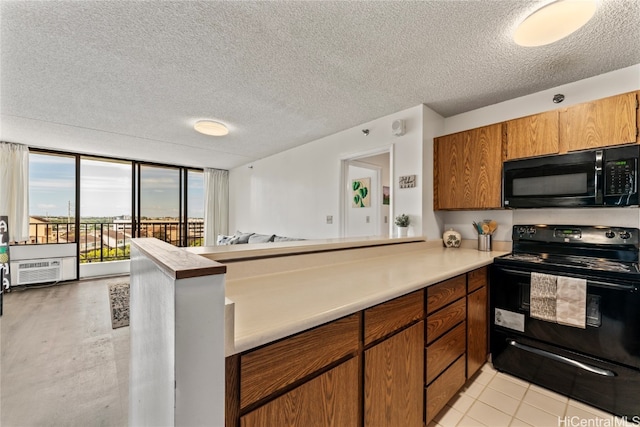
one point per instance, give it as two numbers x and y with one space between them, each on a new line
224 240
261 238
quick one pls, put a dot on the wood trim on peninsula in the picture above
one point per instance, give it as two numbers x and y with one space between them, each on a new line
175 261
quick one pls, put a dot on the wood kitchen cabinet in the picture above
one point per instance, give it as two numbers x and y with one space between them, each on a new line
477 320
272 368
600 123
394 364
468 169
595 124
308 378
329 400
394 380
446 342
531 136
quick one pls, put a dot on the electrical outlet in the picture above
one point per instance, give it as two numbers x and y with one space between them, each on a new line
386 219
329 219
368 219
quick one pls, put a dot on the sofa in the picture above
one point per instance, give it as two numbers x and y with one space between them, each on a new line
241 238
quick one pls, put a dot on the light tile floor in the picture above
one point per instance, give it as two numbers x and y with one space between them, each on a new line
495 399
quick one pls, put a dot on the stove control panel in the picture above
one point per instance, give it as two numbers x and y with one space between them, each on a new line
525 230
567 233
581 234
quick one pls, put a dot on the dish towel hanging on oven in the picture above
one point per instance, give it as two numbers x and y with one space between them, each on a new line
543 296
571 304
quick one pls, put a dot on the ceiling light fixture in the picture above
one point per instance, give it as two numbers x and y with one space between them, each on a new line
554 22
209 127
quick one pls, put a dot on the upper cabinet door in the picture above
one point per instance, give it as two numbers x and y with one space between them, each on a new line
530 136
600 123
468 169
448 171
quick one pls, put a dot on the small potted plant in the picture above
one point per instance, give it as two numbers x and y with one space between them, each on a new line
402 222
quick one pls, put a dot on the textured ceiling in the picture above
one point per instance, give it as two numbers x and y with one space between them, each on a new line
128 79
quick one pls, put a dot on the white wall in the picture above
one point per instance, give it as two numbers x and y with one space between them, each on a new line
107 268
432 223
602 86
291 193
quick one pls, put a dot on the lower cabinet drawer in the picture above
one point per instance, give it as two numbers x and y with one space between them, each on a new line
385 318
446 292
444 388
275 366
442 352
443 320
329 400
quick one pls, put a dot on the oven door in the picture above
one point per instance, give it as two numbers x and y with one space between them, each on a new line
613 316
581 363
553 181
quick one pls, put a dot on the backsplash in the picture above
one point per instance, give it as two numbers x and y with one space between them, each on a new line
622 217
461 221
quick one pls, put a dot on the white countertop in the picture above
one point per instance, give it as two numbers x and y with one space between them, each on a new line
274 306
227 253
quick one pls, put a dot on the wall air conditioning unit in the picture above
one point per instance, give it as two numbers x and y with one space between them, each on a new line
38 271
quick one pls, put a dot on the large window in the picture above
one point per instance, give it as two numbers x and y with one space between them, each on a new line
102 203
160 199
52 198
105 209
195 208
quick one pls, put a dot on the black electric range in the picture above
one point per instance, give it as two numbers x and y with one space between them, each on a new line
596 361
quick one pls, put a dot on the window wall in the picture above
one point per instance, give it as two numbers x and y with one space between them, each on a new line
52 198
195 208
159 203
106 187
101 203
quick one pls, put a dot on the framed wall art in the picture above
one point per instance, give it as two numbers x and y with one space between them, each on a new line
361 196
407 181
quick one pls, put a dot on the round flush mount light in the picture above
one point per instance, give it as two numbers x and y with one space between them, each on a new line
554 21
209 127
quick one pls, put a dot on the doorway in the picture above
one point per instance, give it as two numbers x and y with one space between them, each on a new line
369 215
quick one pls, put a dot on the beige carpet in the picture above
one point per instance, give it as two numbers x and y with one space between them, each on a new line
119 300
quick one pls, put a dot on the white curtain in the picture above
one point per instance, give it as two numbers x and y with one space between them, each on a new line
14 189
216 204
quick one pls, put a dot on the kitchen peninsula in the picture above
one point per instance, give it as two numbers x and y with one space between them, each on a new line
342 332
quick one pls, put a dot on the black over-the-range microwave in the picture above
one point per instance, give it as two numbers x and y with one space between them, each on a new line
602 177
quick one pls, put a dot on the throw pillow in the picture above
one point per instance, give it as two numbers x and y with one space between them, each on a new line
261 238
243 237
223 240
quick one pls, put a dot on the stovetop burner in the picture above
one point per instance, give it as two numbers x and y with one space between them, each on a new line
579 250
575 261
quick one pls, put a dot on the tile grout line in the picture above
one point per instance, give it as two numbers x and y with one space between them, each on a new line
475 399
514 417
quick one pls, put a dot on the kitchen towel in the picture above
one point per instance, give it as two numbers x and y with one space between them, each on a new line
543 297
571 303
